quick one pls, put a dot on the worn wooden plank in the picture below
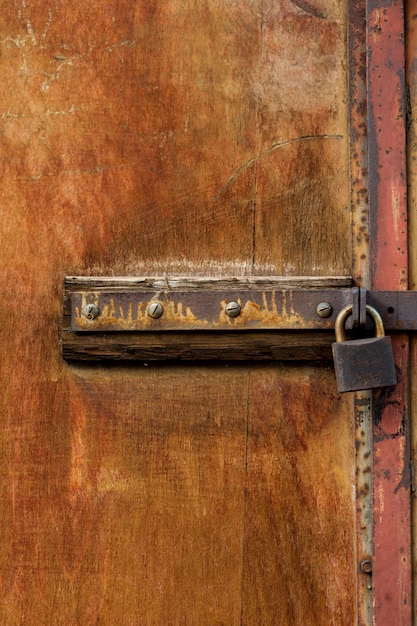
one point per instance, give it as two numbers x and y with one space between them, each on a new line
293 501
302 48
197 346
203 283
127 147
129 511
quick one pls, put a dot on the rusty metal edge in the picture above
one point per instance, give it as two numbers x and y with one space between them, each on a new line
358 159
190 311
263 308
392 574
411 85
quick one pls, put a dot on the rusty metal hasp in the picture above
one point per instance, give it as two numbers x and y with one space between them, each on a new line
149 304
262 318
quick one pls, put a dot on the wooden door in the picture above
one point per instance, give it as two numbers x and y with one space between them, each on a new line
171 138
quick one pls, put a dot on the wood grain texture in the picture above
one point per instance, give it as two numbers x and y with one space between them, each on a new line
130 504
139 139
299 518
196 346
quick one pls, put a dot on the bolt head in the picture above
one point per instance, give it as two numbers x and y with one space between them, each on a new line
155 310
324 309
233 309
366 566
91 311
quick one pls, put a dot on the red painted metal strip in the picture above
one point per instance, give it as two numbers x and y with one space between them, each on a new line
388 216
387 144
411 75
392 532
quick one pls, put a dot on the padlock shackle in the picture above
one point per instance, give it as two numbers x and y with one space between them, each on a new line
347 312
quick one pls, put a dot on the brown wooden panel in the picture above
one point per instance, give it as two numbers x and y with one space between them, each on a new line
127 503
129 134
299 538
300 172
134 135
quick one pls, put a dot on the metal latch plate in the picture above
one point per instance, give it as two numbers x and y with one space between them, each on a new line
109 317
199 304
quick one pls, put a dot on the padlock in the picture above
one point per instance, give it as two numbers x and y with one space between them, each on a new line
363 363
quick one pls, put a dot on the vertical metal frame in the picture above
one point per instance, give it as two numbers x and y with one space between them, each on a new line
411 82
361 275
386 113
377 98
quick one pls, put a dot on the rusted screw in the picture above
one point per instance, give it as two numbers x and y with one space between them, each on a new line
91 311
366 566
155 310
324 309
233 309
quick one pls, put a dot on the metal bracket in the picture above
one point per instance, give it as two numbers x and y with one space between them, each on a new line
359 307
262 318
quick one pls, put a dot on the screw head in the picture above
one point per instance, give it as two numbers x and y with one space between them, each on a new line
366 566
155 310
233 309
91 311
324 309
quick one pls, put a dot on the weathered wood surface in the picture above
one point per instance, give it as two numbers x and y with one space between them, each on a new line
164 138
204 283
295 464
200 346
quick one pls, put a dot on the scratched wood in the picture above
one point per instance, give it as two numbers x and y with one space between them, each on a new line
170 138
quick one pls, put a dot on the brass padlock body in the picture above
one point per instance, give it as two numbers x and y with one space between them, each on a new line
363 363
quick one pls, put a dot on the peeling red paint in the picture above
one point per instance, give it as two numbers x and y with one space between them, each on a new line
389 262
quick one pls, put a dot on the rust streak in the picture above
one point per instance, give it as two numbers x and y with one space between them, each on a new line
267 309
